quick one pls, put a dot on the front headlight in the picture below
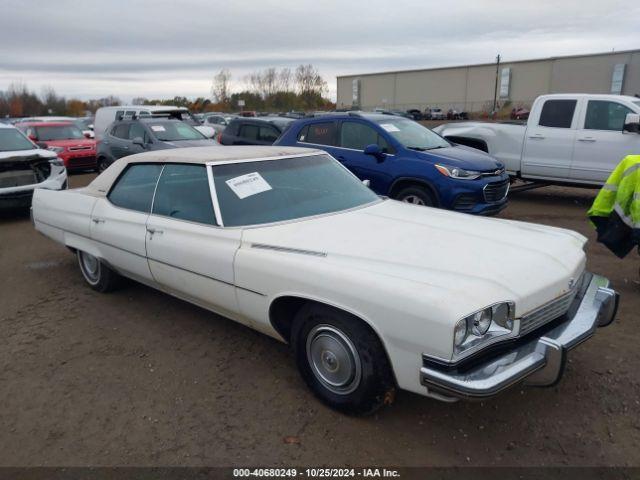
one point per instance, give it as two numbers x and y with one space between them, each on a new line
56 149
482 328
56 162
457 172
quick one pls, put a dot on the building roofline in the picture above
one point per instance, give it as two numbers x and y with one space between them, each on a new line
544 59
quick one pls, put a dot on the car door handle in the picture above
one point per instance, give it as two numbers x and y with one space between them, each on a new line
97 220
126 147
152 230
587 139
536 137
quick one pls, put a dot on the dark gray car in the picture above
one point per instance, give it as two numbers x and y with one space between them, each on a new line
127 137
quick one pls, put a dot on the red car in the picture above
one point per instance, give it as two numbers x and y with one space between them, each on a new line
67 140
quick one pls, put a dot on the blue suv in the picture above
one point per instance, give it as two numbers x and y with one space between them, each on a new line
406 161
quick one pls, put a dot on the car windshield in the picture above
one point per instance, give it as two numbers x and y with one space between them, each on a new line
11 140
174 131
412 135
59 132
253 193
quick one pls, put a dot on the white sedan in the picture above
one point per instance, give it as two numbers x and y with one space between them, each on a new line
372 294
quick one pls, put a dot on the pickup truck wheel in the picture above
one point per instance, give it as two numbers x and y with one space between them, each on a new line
342 360
416 195
99 277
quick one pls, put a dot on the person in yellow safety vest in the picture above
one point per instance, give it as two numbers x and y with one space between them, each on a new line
616 210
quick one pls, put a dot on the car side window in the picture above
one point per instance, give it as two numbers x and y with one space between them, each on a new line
137 130
268 134
134 189
183 193
605 115
302 134
322 133
121 130
250 132
557 113
357 136
119 115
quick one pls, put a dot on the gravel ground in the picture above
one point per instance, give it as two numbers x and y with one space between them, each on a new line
137 377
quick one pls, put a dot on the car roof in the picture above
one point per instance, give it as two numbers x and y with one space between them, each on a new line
195 155
45 124
151 108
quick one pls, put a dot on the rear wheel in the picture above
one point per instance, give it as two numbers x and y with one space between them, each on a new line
342 360
416 195
99 277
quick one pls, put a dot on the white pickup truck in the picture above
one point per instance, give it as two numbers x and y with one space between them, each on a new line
568 139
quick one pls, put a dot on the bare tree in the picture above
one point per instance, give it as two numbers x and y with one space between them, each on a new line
309 80
220 89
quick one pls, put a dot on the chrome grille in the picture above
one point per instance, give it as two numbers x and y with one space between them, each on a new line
546 313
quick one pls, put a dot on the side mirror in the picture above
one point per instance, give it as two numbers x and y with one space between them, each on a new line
375 151
632 123
138 141
366 183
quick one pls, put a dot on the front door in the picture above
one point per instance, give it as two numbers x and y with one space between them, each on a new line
189 255
549 138
600 141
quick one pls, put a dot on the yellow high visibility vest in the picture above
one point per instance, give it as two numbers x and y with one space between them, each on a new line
621 193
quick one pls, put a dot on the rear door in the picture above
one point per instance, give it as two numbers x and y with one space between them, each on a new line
600 141
549 140
189 255
117 141
118 222
322 135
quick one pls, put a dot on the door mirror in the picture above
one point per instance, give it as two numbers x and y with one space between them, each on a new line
366 183
138 141
632 123
375 151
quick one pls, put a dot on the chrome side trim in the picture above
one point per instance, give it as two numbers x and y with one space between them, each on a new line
288 250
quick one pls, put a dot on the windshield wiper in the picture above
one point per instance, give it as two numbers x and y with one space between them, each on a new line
418 149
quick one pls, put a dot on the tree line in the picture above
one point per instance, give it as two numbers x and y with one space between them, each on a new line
272 89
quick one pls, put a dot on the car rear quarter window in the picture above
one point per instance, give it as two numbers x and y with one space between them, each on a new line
557 113
134 188
183 193
322 133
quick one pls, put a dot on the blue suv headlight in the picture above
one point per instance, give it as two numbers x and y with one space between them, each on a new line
457 172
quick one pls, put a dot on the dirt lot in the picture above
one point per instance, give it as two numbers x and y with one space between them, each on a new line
139 378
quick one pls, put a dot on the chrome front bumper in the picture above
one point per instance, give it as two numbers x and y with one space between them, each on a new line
538 362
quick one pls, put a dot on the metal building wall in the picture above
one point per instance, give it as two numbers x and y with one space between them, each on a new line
471 87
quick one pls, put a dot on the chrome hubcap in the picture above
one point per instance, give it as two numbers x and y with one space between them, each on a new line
90 267
414 199
333 359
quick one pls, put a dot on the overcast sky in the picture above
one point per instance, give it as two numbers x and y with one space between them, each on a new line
162 48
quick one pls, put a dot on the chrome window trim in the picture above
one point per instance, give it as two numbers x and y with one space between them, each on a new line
342 148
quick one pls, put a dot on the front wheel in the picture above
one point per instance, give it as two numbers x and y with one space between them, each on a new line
342 360
416 195
99 277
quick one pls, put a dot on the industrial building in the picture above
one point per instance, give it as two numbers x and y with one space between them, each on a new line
471 88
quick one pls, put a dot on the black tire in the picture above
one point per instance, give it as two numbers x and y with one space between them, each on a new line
370 384
99 277
416 195
102 164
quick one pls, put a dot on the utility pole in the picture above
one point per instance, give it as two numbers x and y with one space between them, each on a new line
495 90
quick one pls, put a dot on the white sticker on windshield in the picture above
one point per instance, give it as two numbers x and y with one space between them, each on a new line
389 127
157 128
250 184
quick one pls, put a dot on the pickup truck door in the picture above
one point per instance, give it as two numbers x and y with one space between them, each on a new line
548 142
118 222
600 141
189 255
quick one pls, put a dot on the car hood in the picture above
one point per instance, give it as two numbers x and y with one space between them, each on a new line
472 261
463 157
191 143
27 154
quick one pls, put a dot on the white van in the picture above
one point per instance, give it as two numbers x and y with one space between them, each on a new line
105 116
